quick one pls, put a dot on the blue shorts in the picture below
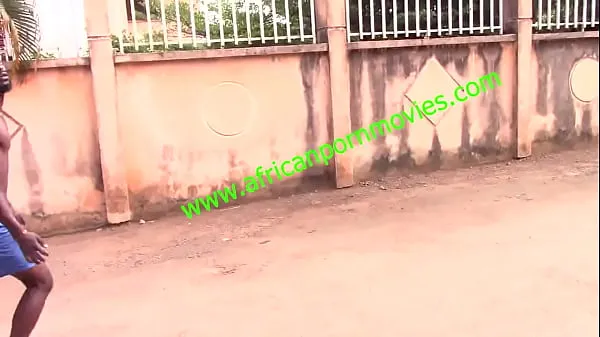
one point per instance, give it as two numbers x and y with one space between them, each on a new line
12 259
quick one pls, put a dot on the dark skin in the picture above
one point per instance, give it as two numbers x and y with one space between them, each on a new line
37 280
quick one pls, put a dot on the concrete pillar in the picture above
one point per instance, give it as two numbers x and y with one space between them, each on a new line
102 66
331 28
518 19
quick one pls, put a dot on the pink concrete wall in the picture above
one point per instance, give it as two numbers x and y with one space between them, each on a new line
54 165
193 122
480 129
190 127
565 87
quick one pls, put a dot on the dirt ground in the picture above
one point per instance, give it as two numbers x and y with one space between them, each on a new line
509 249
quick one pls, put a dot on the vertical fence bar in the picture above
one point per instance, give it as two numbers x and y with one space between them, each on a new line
471 24
206 24
312 20
576 13
193 23
460 16
549 15
567 14
584 15
247 8
406 27
178 21
501 16
301 19
593 13
557 14
274 18
439 16
395 17
372 18
134 25
360 20
149 25
540 12
428 9
449 17
492 16
121 46
383 19
163 19
233 5
481 21
417 18
288 29
221 28
261 21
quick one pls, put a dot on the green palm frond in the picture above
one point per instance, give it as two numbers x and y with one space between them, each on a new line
20 23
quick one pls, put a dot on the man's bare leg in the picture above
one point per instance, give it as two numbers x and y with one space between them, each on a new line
38 281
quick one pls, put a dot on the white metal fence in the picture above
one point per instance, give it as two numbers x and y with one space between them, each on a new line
155 25
198 24
552 15
392 19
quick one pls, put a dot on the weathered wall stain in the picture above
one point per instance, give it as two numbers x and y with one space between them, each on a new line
465 151
116 200
586 124
356 70
456 55
32 173
377 84
555 59
488 145
404 64
396 66
312 69
309 66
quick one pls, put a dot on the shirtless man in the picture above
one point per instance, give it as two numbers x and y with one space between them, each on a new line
22 253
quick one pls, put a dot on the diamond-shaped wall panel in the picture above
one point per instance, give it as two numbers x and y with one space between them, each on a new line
449 131
420 138
433 80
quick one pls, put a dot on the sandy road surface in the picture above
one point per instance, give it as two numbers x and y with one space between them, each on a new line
502 250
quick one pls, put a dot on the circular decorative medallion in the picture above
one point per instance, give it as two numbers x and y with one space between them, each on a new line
228 108
584 80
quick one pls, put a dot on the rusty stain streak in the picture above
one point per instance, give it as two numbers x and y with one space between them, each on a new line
116 200
32 174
